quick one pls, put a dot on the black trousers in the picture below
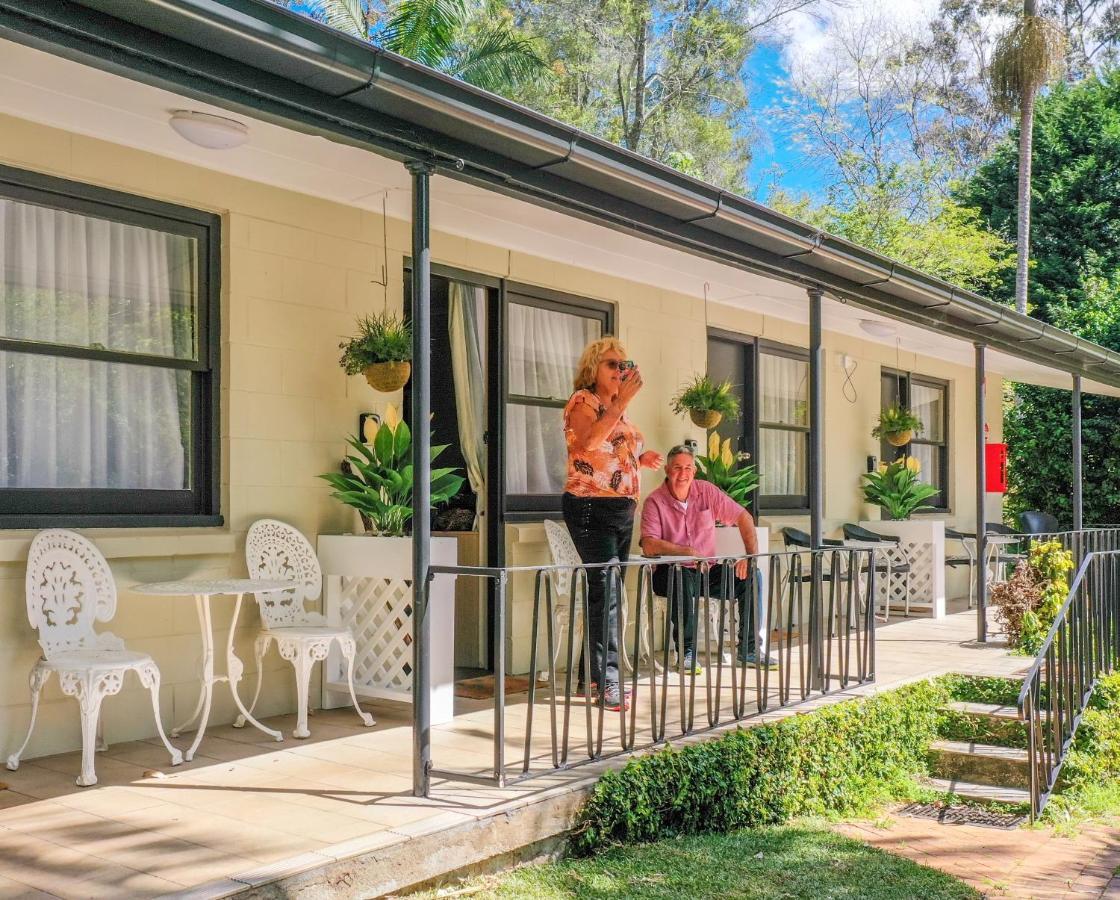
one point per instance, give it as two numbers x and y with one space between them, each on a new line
601 529
686 608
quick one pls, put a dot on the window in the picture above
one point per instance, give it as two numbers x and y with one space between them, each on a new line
783 428
928 398
108 357
545 336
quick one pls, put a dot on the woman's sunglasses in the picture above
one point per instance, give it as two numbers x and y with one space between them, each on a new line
621 364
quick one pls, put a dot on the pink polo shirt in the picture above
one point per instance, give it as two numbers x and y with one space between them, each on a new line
665 518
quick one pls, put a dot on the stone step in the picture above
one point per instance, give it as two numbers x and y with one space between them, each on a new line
983 793
985 710
980 763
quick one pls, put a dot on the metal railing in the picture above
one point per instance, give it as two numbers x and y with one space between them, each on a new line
1082 644
812 611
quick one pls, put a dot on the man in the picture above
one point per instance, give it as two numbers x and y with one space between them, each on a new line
679 519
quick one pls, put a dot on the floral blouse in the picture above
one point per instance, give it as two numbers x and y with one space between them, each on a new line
611 469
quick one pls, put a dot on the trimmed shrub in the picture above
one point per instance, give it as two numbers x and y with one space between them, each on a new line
830 761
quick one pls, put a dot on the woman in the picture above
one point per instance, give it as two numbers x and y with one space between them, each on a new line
605 457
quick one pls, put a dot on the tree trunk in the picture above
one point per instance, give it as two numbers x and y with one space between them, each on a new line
1023 226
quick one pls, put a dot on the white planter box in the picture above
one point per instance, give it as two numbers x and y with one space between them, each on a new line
924 542
369 589
729 543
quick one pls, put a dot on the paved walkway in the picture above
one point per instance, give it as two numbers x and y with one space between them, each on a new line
1020 864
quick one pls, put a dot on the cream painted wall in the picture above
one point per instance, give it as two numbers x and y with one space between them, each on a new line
296 272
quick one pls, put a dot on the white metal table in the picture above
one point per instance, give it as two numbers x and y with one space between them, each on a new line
202 591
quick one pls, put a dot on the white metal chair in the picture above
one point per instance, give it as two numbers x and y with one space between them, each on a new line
275 549
69 587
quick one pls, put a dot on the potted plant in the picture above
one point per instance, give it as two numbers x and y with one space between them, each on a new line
896 425
896 488
376 479
706 402
382 351
727 470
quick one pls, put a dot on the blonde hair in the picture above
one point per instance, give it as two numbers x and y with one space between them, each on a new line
590 358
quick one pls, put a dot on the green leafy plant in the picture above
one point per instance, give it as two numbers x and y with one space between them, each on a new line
381 338
725 470
377 478
1026 604
895 487
701 394
895 420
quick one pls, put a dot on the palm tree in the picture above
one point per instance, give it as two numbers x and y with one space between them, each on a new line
468 39
1027 57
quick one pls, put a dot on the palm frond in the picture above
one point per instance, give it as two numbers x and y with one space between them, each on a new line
425 30
348 16
1030 54
497 57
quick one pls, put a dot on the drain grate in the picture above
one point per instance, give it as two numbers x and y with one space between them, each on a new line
963 815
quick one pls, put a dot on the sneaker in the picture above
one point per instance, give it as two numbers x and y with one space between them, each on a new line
766 662
691 666
614 699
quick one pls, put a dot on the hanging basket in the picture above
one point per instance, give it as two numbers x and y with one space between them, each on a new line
388 376
705 418
899 438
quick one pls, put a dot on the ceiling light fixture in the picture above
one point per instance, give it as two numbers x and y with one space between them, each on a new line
210 131
877 328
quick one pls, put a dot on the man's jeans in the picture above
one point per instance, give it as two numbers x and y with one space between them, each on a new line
683 615
601 528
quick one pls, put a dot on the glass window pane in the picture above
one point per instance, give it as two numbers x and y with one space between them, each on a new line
79 423
929 458
928 404
66 278
544 350
536 454
784 462
783 390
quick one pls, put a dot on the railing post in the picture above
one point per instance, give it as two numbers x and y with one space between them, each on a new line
816 419
421 477
981 524
1075 428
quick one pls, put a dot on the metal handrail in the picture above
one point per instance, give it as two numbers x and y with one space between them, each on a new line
816 618
1082 644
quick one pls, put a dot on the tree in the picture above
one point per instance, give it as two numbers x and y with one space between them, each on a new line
473 41
1029 55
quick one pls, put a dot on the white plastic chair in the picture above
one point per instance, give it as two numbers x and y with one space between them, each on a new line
69 587
275 549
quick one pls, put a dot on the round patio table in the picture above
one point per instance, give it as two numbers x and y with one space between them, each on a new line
202 591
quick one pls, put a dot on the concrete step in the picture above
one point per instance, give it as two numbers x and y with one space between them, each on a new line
980 763
983 793
985 710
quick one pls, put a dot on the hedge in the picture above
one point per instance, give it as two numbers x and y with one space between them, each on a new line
829 761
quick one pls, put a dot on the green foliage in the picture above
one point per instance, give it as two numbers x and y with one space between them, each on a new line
957 726
1026 604
704 395
381 338
895 420
895 487
727 471
757 864
981 688
377 479
831 761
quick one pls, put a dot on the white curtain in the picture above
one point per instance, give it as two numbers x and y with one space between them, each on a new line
544 349
783 464
74 280
467 312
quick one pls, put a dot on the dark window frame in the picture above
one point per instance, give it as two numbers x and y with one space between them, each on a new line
536 507
198 506
903 381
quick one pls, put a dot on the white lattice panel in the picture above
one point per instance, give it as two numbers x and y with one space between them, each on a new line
369 590
922 543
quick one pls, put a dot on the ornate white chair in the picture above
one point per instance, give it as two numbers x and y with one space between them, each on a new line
276 550
69 587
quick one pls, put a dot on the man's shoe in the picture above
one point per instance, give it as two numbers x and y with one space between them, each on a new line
691 666
766 662
614 699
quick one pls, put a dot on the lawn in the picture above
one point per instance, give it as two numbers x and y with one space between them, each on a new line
770 863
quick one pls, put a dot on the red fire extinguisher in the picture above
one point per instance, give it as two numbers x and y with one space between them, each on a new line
995 466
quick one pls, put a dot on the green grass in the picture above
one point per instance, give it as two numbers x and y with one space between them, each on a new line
770 863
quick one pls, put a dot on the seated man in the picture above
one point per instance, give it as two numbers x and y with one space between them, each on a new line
679 519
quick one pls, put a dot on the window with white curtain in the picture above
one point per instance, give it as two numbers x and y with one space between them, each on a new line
928 399
106 368
544 340
783 428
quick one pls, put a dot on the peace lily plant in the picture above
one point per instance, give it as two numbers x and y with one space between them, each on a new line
897 489
724 468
